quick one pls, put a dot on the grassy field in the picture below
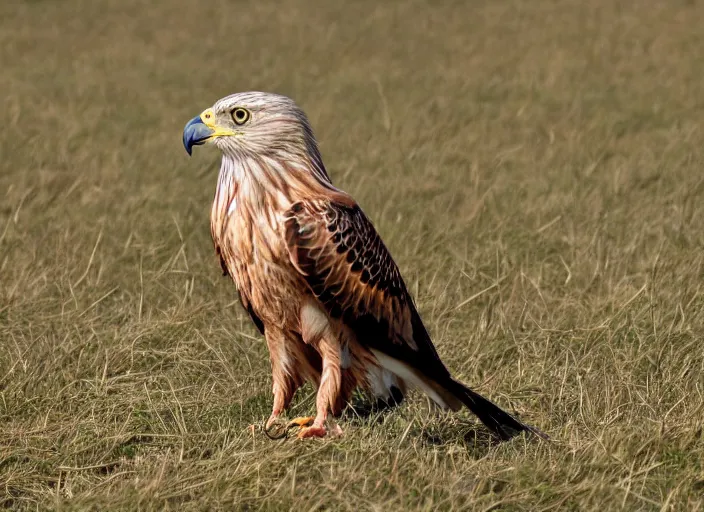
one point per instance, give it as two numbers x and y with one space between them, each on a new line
534 167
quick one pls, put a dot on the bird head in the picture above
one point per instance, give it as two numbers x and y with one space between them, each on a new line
251 123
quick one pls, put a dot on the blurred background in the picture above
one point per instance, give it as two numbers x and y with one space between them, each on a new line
535 168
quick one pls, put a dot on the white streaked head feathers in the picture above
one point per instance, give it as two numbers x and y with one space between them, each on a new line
275 128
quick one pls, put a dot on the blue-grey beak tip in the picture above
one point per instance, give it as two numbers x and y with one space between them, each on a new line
195 133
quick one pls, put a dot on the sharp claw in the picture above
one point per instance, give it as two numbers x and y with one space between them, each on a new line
275 431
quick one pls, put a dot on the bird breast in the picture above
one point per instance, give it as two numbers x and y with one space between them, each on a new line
247 228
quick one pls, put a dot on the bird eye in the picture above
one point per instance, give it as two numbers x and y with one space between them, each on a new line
240 115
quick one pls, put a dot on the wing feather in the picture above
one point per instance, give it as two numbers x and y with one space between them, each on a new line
351 272
348 268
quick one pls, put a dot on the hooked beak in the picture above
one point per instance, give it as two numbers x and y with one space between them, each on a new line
195 133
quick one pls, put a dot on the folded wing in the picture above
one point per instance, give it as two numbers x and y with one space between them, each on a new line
347 267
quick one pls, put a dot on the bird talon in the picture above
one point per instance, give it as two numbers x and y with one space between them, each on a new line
275 431
301 421
313 431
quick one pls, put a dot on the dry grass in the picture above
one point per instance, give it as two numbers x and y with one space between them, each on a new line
542 158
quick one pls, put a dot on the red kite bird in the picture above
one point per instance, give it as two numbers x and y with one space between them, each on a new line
313 273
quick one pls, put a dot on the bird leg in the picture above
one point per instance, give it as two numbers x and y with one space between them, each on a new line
329 389
283 387
277 407
273 429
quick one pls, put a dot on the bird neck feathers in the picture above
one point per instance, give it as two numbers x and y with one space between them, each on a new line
261 186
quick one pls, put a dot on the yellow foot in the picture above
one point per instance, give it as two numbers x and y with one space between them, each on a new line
276 430
301 421
311 432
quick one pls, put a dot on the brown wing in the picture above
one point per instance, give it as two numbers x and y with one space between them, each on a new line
350 271
348 268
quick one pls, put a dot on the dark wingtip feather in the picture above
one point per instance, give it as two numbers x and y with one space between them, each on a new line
501 423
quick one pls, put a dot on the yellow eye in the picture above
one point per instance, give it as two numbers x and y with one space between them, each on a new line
240 115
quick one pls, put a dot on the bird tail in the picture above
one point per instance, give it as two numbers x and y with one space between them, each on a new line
451 394
496 419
